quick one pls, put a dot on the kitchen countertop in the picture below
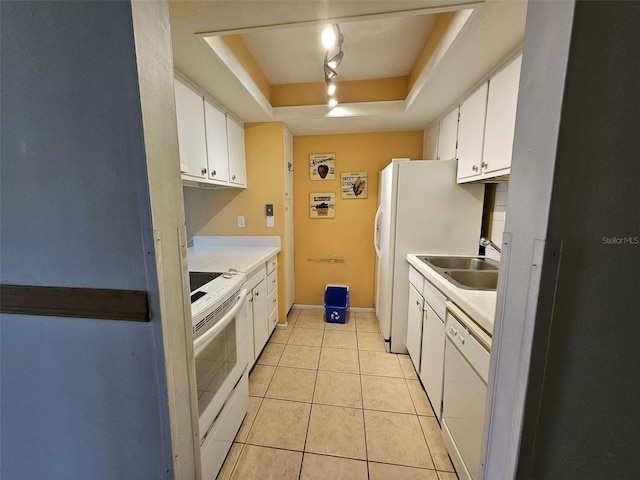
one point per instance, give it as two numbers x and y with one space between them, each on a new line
219 254
480 305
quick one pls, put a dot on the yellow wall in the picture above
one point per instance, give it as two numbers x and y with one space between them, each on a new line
439 28
340 250
244 57
214 212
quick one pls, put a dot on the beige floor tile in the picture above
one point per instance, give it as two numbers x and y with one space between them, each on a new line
447 476
335 339
386 394
292 384
259 379
383 471
367 324
310 337
310 321
366 316
259 463
396 438
420 399
437 447
281 335
336 431
339 360
315 467
300 356
254 405
271 354
230 462
348 326
334 388
407 367
280 424
380 363
370 341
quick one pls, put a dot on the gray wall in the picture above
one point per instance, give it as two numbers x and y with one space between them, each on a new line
580 418
81 398
565 354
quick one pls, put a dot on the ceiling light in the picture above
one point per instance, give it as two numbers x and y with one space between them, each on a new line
329 36
332 102
329 73
331 88
336 59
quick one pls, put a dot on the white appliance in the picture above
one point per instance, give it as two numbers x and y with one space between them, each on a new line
466 370
221 343
420 209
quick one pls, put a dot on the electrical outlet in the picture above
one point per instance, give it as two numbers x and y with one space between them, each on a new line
241 221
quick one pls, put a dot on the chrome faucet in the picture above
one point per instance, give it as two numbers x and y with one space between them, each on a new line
486 242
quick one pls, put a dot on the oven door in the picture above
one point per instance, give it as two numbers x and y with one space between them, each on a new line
222 354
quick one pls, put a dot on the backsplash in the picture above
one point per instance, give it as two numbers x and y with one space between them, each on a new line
499 217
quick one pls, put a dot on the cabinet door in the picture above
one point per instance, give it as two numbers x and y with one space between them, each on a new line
448 136
414 326
260 317
432 367
501 117
235 139
430 151
471 133
216 132
191 131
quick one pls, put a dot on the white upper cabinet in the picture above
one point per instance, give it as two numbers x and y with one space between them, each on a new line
191 136
211 143
430 151
485 138
217 152
448 136
237 165
471 133
501 118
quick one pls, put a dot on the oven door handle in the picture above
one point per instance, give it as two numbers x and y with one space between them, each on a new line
201 341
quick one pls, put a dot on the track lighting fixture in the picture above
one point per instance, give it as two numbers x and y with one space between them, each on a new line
332 40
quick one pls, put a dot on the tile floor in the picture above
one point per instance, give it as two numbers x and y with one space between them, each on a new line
327 402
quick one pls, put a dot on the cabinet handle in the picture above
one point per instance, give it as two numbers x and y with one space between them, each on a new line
204 171
484 165
233 177
257 294
474 168
213 173
453 331
461 339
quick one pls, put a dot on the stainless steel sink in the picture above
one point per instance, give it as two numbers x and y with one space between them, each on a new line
469 273
460 263
474 279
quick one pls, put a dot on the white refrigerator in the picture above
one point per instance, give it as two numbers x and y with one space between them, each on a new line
421 210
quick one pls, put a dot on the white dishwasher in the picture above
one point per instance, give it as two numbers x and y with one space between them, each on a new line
466 369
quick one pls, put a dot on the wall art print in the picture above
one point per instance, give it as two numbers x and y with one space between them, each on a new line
354 185
322 166
322 205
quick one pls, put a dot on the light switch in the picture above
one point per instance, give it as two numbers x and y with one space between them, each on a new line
240 221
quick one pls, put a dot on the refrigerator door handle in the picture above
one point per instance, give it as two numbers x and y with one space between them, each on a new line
376 232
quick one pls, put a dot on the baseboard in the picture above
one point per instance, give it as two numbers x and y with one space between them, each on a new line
282 326
321 307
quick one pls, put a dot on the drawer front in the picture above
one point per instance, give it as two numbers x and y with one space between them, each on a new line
272 301
415 278
272 264
273 319
435 299
272 282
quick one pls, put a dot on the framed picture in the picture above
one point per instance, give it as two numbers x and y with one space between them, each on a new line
322 166
354 185
322 205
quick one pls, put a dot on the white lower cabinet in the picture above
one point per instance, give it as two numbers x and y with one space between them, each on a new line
263 303
426 337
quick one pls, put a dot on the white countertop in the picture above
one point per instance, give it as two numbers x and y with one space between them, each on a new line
480 305
219 254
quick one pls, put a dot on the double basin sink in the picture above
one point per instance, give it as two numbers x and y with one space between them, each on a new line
469 273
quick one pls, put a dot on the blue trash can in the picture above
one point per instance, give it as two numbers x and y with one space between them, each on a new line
336 302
